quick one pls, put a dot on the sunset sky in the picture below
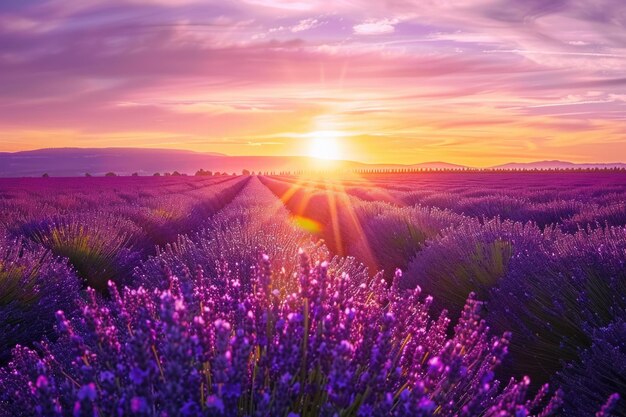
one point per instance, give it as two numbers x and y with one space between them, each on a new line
476 82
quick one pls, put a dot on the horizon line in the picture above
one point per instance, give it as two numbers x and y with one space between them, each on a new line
322 160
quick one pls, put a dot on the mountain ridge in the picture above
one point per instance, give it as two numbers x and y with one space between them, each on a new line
72 161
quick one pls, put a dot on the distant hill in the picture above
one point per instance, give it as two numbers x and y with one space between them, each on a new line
70 162
437 165
558 165
78 161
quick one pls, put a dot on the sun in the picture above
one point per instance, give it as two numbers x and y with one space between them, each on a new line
325 145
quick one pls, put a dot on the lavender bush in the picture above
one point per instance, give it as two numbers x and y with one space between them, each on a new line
394 235
33 286
336 347
99 245
473 257
560 296
600 372
164 217
548 288
612 214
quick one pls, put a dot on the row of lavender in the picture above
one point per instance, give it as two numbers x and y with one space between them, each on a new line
567 199
210 326
59 236
562 292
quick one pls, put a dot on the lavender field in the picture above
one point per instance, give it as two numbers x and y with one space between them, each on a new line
380 294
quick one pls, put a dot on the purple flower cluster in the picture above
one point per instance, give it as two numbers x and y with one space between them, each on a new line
548 281
334 347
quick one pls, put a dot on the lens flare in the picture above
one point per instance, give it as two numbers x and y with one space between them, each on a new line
307 224
325 145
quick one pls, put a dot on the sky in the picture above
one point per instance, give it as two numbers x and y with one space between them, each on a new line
477 82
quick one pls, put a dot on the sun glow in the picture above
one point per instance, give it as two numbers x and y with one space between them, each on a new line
325 145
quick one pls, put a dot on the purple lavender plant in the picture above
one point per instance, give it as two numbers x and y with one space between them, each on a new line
98 244
335 347
611 214
472 257
33 285
551 289
600 372
559 296
394 235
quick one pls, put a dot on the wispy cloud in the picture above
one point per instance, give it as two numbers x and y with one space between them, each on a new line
306 24
376 27
564 53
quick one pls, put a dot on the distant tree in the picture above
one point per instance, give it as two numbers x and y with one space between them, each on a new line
87 174
203 173
245 172
167 174
45 175
175 174
156 174
224 173
135 174
217 173
110 174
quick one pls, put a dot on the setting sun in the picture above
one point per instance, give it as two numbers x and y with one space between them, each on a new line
325 145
